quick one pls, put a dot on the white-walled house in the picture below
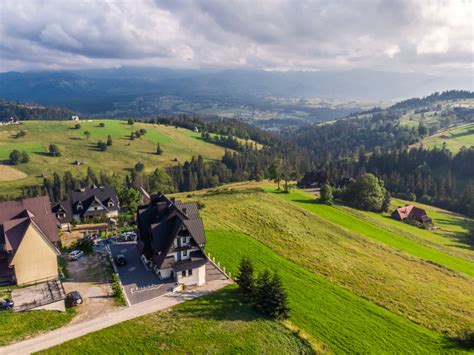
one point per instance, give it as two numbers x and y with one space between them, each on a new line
171 240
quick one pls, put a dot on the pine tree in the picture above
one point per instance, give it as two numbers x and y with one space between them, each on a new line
245 279
109 140
159 151
278 302
261 295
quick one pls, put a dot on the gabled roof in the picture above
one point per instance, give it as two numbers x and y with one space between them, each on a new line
411 211
37 208
99 195
162 220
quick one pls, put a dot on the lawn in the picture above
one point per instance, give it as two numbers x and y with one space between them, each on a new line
420 291
218 323
177 143
344 322
17 326
382 234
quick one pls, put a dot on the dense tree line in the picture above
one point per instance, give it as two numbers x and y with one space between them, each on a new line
433 176
433 98
25 112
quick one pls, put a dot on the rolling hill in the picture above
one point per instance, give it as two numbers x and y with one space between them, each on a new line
357 282
178 145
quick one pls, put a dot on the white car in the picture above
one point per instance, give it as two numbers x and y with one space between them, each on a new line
75 255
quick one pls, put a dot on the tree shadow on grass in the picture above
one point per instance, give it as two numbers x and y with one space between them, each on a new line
224 305
44 154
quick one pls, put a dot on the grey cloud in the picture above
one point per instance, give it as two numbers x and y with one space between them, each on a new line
288 34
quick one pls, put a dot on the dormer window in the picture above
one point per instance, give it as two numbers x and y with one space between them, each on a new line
79 206
111 204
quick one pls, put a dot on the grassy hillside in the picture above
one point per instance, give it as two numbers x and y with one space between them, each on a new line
421 291
123 154
351 221
455 138
218 324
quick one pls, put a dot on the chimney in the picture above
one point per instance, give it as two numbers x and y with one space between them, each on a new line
173 200
184 210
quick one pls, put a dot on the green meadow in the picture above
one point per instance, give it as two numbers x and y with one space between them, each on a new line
218 324
412 287
178 145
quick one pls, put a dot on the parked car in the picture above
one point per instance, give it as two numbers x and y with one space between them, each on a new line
6 305
75 255
73 299
120 260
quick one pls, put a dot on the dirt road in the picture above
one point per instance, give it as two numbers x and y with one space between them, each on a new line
76 330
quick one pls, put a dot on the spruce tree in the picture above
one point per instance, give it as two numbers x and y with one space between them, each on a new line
262 296
278 303
159 151
245 279
109 140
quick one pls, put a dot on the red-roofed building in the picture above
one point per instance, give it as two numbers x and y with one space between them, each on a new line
411 212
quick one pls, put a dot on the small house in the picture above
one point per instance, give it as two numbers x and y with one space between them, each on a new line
411 212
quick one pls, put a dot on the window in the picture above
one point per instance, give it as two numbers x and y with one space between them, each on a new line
190 272
185 253
183 273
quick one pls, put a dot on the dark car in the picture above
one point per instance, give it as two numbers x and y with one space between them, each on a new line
120 260
6 305
73 299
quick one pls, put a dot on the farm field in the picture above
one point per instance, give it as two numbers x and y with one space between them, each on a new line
218 323
455 138
123 154
419 291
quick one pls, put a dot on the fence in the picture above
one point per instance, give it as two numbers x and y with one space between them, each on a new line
218 265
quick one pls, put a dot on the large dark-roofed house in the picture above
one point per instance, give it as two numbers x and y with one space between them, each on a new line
171 240
94 201
28 240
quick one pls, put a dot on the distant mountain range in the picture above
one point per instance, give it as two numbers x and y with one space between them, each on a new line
99 91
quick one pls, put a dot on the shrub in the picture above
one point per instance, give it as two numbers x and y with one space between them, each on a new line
15 157
109 140
326 194
20 134
139 167
77 126
117 290
130 121
54 150
102 124
102 146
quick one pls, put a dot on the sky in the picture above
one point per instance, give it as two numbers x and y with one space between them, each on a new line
420 36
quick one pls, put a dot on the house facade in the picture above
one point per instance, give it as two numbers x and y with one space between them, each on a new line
171 240
28 241
93 201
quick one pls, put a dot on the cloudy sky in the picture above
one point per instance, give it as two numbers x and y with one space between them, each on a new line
395 35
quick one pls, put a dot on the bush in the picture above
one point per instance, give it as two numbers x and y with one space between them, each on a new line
16 157
77 126
21 134
54 150
86 245
102 146
159 151
117 290
139 167
130 121
326 194
109 140
102 124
